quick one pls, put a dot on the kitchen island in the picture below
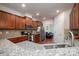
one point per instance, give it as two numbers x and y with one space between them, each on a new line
7 48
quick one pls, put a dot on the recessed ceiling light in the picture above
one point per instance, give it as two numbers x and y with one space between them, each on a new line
23 5
44 18
57 11
37 14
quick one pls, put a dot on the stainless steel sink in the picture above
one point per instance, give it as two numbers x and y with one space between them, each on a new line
51 46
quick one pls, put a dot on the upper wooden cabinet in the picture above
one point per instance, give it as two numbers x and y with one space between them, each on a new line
7 21
20 23
35 25
71 20
74 17
2 20
17 20
11 21
29 21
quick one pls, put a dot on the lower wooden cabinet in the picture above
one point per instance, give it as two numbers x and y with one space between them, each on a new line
37 38
18 39
25 38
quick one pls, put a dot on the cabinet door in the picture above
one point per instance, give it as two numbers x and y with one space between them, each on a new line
37 38
2 20
71 23
17 25
34 25
76 16
39 23
22 23
73 20
28 21
10 21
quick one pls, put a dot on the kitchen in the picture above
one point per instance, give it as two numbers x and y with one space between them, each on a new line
34 34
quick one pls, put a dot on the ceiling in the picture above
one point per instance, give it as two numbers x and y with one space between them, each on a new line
47 10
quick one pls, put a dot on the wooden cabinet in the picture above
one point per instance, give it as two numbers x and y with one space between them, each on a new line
72 20
18 39
34 25
29 21
2 20
37 38
7 21
10 20
39 23
74 17
17 24
20 23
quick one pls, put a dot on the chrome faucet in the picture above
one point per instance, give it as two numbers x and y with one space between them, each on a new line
70 37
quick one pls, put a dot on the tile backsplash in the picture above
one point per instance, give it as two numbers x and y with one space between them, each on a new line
10 33
75 32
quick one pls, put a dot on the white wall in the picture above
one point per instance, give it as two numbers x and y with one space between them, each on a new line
49 24
10 10
61 22
59 28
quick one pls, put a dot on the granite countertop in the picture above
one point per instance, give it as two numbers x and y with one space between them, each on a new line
73 51
31 46
10 49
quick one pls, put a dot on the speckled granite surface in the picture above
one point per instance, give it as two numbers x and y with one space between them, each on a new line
30 46
11 49
8 48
